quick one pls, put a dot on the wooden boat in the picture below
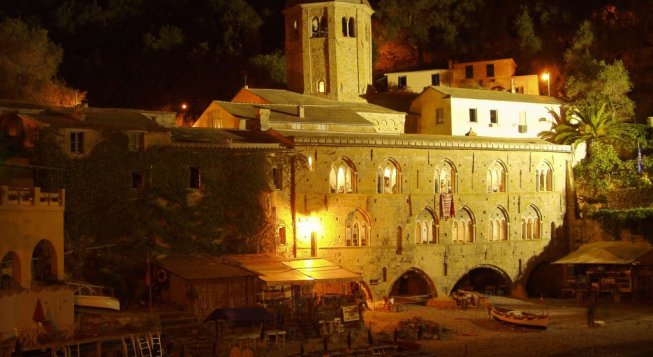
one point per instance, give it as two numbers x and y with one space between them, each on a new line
98 301
521 318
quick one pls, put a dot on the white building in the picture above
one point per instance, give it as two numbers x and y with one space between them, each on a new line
461 111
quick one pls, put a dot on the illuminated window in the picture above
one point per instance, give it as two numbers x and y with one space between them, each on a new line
444 178
315 27
77 142
496 177
439 115
342 178
530 224
388 178
463 227
498 225
357 229
544 177
427 227
195 178
321 87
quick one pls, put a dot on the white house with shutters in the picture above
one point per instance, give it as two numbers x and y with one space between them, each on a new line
460 111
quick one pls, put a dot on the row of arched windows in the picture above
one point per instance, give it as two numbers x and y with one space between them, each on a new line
463 227
320 26
343 177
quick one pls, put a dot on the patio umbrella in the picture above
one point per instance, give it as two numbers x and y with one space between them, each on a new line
301 349
394 336
39 315
349 340
369 337
326 347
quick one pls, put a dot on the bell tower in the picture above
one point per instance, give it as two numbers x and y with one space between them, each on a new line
329 48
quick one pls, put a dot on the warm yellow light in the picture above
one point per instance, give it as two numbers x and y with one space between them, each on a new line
184 106
308 225
545 76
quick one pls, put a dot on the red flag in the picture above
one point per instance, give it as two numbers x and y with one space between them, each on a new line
39 315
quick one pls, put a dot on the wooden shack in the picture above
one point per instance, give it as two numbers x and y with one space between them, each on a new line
202 284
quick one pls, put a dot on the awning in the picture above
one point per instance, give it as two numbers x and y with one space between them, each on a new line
273 270
617 253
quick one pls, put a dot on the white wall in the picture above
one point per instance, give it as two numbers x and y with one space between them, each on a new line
508 118
417 80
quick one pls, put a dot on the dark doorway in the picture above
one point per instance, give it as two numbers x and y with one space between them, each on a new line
484 280
413 286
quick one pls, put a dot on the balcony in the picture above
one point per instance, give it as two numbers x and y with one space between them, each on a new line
30 196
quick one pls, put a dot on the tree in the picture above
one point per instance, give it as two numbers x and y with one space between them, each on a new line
529 42
427 24
272 66
29 65
588 124
590 80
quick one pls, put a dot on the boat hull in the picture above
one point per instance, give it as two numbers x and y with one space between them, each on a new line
97 301
538 321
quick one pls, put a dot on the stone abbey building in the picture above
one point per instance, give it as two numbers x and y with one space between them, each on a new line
414 214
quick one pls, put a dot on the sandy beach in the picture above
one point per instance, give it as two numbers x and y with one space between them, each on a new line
622 329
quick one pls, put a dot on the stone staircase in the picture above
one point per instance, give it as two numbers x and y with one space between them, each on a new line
183 333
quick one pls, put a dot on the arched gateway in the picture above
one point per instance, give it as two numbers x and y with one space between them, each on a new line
414 285
486 279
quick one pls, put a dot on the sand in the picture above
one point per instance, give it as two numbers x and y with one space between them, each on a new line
623 329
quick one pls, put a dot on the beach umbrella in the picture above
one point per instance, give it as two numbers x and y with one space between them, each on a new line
39 315
370 340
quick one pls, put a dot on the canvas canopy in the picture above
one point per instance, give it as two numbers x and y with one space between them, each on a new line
275 271
608 253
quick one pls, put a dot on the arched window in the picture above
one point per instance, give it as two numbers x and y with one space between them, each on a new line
315 27
345 28
463 228
498 225
352 27
531 227
544 177
427 227
10 271
357 229
321 87
342 178
445 177
496 177
388 178
324 26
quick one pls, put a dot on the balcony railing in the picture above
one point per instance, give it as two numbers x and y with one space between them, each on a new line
30 196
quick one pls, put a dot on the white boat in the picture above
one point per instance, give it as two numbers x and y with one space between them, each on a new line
520 318
97 301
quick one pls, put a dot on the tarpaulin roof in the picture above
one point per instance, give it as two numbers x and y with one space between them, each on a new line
273 270
606 253
200 268
240 314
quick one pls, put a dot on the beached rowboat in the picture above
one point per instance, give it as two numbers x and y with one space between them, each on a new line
520 318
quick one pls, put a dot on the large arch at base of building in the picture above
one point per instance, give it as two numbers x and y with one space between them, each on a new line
10 272
485 279
44 262
413 286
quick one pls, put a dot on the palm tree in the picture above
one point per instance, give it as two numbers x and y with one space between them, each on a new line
588 124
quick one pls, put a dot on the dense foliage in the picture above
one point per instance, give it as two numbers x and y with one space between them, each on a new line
111 225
